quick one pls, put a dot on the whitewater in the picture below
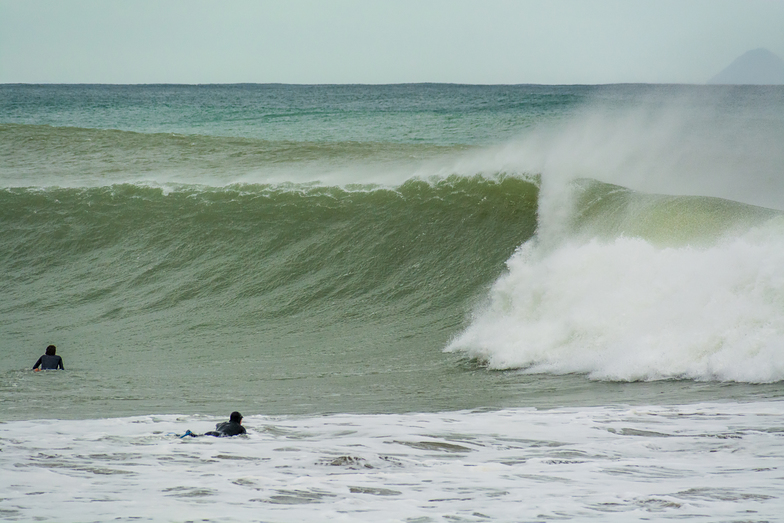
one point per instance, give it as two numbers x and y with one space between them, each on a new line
430 302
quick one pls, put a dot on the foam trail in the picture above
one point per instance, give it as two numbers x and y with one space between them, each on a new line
709 462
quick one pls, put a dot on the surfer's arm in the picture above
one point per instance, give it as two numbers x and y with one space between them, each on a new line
38 363
60 364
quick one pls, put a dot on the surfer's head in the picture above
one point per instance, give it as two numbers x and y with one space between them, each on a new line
235 417
50 350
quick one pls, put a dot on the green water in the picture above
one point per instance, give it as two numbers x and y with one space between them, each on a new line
314 249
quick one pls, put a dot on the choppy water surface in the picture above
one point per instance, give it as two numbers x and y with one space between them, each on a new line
703 462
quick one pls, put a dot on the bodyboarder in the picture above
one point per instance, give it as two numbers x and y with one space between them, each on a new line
233 427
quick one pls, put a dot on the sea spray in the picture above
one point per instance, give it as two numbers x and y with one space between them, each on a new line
621 284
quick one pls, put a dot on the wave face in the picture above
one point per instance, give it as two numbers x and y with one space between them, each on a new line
264 252
193 289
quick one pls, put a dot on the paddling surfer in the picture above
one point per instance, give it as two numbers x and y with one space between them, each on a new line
232 427
225 429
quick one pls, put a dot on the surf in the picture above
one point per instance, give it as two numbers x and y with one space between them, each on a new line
640 287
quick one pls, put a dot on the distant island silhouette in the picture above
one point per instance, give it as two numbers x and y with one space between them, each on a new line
756 67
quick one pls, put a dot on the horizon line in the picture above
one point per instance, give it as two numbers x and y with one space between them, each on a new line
208 84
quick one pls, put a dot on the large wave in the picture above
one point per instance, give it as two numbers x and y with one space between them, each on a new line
191 263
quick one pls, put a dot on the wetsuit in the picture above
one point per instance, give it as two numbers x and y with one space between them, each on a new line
227 428
47 362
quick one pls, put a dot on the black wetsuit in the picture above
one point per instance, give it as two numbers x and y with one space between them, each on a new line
227 428
47 362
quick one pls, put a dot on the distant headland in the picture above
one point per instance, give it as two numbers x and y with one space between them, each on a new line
756 67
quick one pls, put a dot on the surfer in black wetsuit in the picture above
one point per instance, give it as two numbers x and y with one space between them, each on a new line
228 428
50 360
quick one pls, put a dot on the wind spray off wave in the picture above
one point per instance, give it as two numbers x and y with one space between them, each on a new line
622 285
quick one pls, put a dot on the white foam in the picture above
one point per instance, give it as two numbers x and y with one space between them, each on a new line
709 462
627 310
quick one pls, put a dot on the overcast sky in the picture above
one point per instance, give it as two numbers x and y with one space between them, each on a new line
380 41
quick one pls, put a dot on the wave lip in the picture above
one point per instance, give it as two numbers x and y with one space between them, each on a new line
619 307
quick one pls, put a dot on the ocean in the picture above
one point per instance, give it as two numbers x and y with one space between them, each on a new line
430 302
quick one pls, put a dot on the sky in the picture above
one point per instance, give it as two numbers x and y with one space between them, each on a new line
381 41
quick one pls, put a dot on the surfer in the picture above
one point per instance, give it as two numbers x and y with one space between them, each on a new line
50 360
228 428
233 427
